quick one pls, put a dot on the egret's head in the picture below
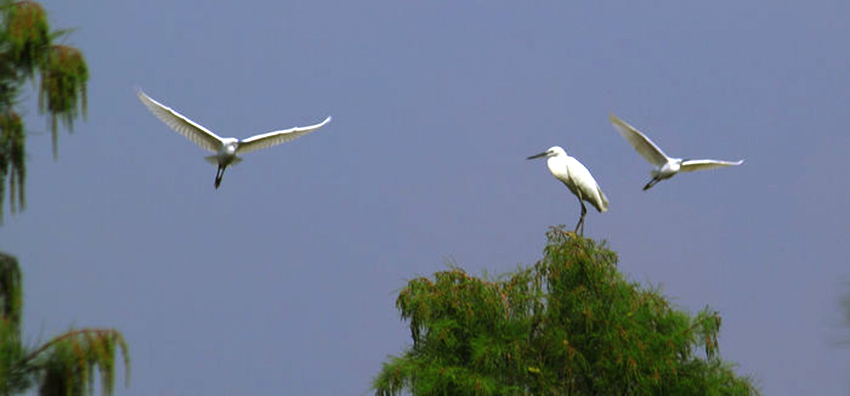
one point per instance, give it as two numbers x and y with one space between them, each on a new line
229 145
552 152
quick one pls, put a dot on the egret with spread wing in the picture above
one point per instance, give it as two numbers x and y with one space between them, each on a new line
226 149
577 178
666 167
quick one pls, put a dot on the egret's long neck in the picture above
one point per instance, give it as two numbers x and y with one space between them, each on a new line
558 166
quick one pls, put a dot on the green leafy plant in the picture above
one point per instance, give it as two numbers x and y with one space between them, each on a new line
29 50
66 364
571 324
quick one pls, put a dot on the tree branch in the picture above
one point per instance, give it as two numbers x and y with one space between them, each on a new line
67 335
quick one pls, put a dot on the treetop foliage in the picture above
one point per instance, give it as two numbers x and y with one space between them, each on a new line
569 324
28 49
66 364
63 366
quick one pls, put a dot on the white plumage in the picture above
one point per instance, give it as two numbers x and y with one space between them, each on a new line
666 167
226 149
577 179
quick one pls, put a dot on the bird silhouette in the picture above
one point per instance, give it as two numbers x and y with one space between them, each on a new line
577 179
227 150
665 167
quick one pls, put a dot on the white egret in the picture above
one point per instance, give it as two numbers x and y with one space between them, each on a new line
666 167
577 178
226 149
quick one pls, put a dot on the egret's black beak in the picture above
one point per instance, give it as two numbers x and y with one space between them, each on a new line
543 154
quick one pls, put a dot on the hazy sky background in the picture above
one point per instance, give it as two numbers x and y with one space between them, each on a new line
284 280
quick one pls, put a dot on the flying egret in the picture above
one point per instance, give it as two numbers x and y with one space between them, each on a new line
577 178
226 149
666 167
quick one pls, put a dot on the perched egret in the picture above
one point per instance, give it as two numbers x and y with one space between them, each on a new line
577 178
666 167
226 149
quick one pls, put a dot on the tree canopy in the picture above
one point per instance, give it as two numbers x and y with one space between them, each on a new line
570 324
68 364
29 50
62 366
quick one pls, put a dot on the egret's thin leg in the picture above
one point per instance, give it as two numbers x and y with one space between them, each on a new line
581 220
651 183
583 212
218 175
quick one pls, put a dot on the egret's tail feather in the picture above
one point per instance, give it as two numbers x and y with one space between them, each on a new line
604 207
213 159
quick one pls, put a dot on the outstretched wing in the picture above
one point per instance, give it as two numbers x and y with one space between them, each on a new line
180 124
639 141
266 140
703 164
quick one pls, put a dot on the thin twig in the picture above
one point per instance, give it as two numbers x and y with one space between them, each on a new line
69 334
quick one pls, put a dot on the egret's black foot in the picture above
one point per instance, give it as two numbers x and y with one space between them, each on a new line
650 184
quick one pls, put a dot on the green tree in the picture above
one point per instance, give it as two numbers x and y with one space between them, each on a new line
569 325
29 50
68 364
64 365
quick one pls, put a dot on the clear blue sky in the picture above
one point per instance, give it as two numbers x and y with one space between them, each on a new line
284 280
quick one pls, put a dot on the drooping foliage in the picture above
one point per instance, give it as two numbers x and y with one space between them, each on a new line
67 365
12 379
28 50
12 157
570 325
63 88
28 35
